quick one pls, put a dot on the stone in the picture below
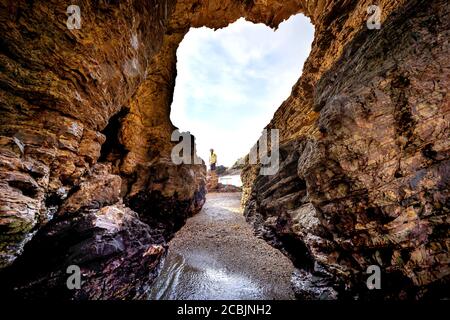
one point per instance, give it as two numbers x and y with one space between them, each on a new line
371 179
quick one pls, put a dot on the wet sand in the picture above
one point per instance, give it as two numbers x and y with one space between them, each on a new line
216 256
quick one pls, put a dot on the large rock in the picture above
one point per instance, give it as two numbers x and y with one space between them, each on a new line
373 183
165 195
117 254
59 88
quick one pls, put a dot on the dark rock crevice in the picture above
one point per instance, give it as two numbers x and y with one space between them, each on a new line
112 149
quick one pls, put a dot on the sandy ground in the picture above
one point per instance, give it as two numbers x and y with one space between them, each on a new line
216 256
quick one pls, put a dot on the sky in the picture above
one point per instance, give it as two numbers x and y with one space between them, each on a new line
231 81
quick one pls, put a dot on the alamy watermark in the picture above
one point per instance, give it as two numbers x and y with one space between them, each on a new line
374 280
184 152
74 19
74 280
270 161
374 20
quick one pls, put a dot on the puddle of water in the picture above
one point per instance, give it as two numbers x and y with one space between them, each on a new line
199 277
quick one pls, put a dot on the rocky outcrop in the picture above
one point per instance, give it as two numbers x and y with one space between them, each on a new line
170 196
86 175
59 88
367 183
71 99
116 252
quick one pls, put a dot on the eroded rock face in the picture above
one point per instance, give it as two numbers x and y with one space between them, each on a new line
373 182
116 252
170 195
71 99
86 175
59 88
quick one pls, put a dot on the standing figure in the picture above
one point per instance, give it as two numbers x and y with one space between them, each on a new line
212 160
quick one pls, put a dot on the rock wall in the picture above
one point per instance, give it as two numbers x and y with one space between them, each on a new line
367 182
85 171
74 102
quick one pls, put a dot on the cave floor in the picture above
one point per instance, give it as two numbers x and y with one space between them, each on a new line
216 256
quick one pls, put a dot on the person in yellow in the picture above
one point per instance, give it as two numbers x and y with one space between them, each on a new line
212 160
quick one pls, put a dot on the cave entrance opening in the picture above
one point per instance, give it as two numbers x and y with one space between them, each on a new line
231 81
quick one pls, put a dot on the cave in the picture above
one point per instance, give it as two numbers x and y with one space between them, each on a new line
364 166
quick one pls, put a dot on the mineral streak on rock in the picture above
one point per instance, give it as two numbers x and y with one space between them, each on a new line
86 176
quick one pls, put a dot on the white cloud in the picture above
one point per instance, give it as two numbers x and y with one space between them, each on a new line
231 81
